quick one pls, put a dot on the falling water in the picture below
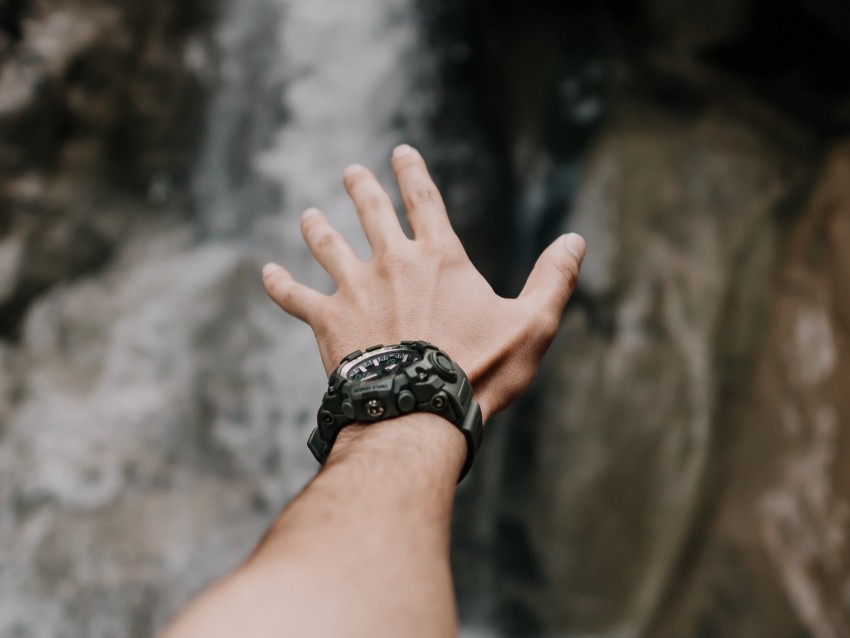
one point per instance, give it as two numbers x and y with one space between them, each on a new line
165 403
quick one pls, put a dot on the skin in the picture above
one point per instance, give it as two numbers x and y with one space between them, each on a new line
364 549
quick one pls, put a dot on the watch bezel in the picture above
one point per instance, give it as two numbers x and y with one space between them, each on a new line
349 365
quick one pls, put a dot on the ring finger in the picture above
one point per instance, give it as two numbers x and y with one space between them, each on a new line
374 207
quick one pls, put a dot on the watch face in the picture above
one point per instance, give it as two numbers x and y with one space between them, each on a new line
380 364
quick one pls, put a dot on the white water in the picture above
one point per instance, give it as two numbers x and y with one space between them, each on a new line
164 405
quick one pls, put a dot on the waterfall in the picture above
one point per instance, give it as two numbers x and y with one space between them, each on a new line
165 403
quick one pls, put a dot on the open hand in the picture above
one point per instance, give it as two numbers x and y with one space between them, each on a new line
426 288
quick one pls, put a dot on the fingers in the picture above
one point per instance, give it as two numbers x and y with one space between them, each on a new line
555 274
422 200
298 300
374 207
328 246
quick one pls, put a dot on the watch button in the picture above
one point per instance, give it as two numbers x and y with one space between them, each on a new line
406 401
373 348
444 366
348 409
438 401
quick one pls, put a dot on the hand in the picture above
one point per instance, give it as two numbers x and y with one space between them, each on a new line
426 288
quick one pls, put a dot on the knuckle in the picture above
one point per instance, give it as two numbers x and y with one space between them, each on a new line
545 323
322 322
285 293
366 191
568 269
323 240
393 261
445 248
551 321
372 201
281 289
445 252
308 230
423 195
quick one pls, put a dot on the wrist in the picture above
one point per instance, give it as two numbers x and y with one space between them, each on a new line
419 444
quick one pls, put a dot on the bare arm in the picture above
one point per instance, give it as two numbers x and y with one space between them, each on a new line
363 551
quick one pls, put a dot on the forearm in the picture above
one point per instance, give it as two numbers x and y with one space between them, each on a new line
362 551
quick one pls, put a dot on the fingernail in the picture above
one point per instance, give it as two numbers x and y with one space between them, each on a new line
402 149
576 245
352 170
310 212
269 268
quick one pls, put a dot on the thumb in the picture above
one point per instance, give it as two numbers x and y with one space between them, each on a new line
555 274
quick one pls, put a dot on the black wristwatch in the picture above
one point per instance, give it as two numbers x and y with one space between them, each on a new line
383 382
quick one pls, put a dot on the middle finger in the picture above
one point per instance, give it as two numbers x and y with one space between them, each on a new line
374 207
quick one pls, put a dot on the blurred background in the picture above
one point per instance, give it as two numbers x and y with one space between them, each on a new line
682 466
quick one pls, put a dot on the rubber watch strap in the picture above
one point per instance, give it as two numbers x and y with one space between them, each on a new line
431 383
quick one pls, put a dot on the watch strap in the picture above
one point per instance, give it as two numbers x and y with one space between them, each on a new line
433 384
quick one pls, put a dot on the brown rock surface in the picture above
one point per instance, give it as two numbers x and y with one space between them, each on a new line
692 450
775 560
635 418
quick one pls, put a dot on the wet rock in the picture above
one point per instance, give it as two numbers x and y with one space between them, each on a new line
680 216
97 115
775 557
154 413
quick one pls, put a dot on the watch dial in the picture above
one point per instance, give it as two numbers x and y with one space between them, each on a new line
382 364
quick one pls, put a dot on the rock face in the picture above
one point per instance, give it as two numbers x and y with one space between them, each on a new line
634 412
678 470
154 404
774 559
99 127
99 102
